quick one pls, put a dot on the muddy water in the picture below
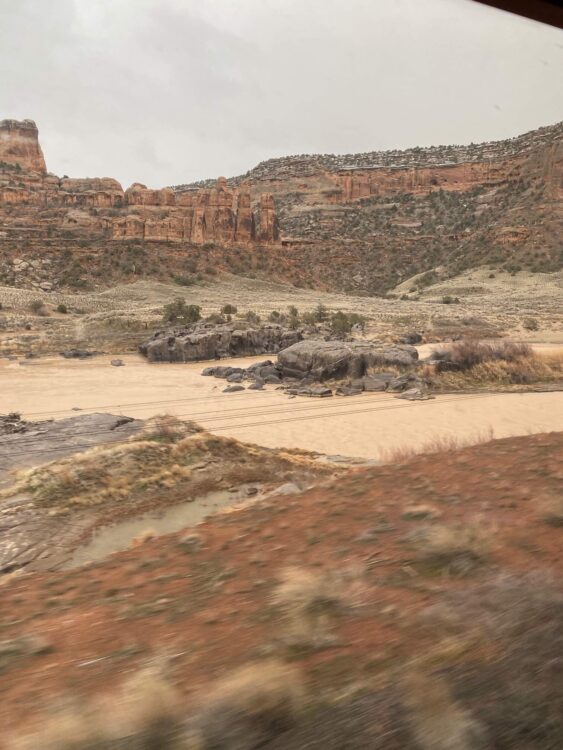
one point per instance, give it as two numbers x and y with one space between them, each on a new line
119 536
365 426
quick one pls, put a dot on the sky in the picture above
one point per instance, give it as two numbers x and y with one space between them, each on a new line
170 91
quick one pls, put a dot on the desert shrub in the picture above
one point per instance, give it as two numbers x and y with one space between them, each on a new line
321 313
531 324
469 353
275 316
516 691
552 511
436 720
250 706
181 313
427 279
37 306
183 280
309 603
144 714
252 317
164 428
61 308
342 322
229 309
455 548
217 318
449 300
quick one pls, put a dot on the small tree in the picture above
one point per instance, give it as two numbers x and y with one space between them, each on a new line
252 317
321 313
229 309
181 313
294 320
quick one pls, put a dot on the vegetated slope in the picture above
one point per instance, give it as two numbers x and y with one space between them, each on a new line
448 564
360 222
367 221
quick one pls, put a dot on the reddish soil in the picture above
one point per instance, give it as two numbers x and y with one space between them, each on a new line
208 610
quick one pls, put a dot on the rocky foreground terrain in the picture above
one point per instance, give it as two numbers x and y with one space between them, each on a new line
412 605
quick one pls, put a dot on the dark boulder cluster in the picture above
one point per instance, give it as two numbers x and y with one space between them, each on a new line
259 374
11 424
206 340
301 369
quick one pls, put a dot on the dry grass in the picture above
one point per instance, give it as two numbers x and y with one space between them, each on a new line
453 548
250 706
144 714
517 689
159 459
437 722
310 602
438 444
506 363
552 510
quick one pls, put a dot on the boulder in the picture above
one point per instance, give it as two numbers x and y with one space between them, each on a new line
233 388
317 391
78 354
117 363
396 385
349 390
205 340
258 385
323 360
414 394
411 338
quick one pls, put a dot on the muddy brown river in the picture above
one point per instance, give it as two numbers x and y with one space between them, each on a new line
366 426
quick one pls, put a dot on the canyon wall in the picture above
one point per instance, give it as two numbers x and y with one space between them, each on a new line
99 207
357 222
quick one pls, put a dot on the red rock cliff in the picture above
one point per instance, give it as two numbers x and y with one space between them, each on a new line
33 201
19 145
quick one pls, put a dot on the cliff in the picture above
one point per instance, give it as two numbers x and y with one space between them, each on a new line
19 145
94 208
358 222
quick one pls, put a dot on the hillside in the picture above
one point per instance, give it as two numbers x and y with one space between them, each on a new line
358 222
436 582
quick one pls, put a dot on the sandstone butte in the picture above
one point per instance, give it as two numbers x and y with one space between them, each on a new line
100 206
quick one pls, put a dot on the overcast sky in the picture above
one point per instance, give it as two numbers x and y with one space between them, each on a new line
170 91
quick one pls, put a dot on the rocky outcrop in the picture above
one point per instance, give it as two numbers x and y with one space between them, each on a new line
99 208
19 145
209 341
324 360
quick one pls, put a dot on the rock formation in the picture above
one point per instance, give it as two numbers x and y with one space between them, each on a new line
19 145
204 341
323 360
358 222
100 208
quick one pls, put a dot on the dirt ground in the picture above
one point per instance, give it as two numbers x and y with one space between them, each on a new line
208 609
118 319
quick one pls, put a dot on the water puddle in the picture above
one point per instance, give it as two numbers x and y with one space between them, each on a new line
119 536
